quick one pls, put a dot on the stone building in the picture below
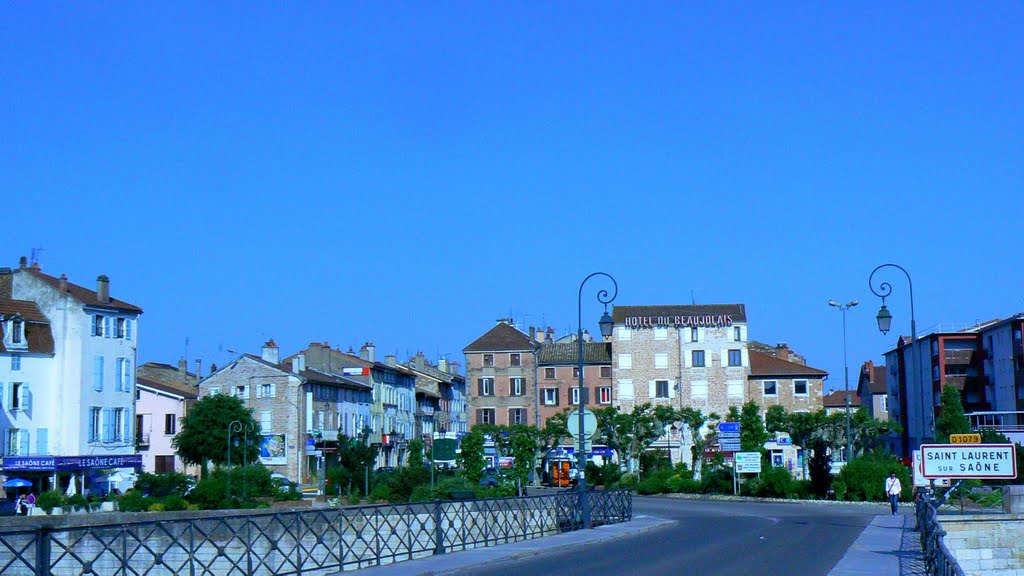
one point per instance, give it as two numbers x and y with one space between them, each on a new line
449 414
558 375
792 385
501 377
872 388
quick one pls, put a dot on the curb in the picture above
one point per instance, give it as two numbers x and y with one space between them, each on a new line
753 499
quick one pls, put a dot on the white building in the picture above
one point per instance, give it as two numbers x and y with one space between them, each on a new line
69 408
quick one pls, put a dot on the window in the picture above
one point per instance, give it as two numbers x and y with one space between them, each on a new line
625 361
485 386
698 359
13 442
625 334
94 424
694 333
214 391
163 464
770 388
661 360
485 416
119 373
734 389
488 359
735 358
884 404
515 387
97 373
661 388
120 327
517 415
549 373
606 371
97 325
575 395
515 360
737 334
551 396
17 328
576 372
19 393
800 387
15 362
170 424
699 390
118 424
661 333
241 392
604 395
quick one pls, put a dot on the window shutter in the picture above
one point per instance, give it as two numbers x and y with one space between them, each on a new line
259 390
671 388
479 388
108 329
26 398
651 388
273 389
42 437
526 421
558 397
700 335
745 358
2 405
743 333
479 415
688 358
725 357
128 328
25 444
127 426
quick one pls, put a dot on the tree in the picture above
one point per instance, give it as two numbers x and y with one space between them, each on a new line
471 458
204 435
776 419
355 456
866 430
821 469
752 432
951 415
631 433
695 419
415 453
733 415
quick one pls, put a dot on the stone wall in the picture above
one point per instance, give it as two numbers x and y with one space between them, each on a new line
989 544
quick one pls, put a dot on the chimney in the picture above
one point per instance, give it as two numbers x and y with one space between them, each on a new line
368 352
533 333
442 364
103 288
453 367
390 360
540 337
6 283
213 368
587 337
298 363
199 368
182 365
270 352
23 262
63 286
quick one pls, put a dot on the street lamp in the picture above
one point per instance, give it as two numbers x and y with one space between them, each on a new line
606 323
233 428
846 370
884 319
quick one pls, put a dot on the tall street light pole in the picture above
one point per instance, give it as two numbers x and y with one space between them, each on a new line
606 323
846 371
884 319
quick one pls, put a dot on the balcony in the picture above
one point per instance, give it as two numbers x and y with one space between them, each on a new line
1003 421
425 411
142 440
958 357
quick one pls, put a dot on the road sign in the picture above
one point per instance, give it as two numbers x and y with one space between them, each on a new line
919 479
729 446
965 438
968 461
589 423
748 462
727 427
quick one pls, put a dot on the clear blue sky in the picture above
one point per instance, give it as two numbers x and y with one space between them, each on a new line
407 173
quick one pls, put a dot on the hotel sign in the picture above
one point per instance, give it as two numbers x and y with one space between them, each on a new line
969 461
701 320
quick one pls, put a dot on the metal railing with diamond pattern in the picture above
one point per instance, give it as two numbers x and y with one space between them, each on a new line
301 542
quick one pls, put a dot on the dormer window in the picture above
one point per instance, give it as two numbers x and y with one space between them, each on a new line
14 332
17 331
97 325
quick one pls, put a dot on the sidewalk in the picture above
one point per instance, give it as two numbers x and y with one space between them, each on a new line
464 562
888 546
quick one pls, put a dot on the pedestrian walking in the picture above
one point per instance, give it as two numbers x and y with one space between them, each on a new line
21 508
893 490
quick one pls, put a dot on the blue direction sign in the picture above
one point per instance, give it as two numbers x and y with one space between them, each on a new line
727 427
729 446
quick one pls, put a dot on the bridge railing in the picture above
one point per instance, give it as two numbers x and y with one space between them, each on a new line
294 542
939 559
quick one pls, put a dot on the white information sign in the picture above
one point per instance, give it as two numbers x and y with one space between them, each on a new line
968 461
748 462
919 480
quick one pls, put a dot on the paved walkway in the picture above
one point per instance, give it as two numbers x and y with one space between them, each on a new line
887 547
465 562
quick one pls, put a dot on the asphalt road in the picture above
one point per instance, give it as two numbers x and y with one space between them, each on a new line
714 538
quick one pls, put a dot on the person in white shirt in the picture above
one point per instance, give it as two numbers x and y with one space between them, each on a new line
893 490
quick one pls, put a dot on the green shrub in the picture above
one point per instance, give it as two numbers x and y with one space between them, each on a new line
717 481
653 460
174 503
683 485
47 501
627 481
162 485
655 483
156 507
864 477
839 489
802 489
776 482
134 501
77 502
210 493
290 494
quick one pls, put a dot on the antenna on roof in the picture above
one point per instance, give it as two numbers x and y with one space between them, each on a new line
186 350
693 301
34 260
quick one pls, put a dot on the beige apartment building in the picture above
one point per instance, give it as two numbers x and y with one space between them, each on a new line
501 377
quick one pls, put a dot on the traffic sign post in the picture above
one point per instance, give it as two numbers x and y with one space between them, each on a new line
748 462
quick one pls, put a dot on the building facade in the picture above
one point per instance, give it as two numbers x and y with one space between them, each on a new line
162 395
501 376
872 389
794 386
69 393
558 376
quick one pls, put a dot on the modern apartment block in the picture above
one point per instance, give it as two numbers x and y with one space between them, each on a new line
501 376
67 368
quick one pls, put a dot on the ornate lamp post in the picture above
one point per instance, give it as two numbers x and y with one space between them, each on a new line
606 323
846 370
233 428
884 319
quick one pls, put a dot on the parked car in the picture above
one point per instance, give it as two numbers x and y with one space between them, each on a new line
491 477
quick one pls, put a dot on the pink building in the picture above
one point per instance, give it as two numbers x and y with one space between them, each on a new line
162 396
